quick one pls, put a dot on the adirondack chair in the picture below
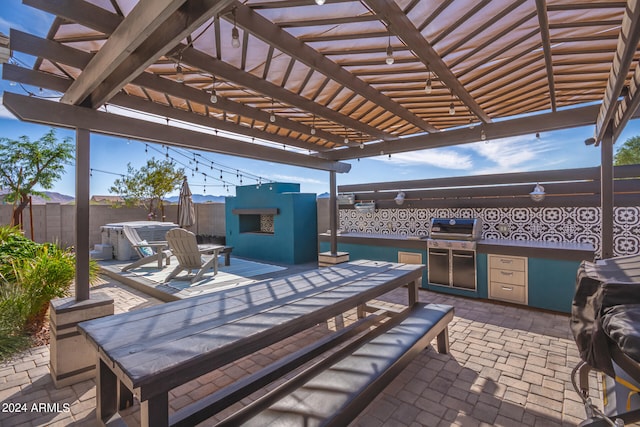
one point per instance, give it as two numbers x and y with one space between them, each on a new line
184 247
147 251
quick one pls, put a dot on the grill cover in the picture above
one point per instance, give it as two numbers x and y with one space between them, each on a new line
605 311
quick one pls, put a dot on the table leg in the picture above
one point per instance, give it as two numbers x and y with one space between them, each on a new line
106 393
216 254
160 253
155 411
413 291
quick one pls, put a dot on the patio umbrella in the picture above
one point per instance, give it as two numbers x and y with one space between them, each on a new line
186 209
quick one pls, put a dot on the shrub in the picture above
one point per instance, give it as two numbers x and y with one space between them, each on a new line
31 274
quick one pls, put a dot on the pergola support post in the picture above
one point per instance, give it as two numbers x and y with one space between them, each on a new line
333 256
72 359
606 194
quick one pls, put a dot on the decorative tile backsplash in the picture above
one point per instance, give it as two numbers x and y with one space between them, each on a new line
578 225
266 224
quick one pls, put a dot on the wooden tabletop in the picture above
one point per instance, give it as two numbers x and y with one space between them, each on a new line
158 348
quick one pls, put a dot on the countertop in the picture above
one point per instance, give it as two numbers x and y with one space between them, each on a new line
528 248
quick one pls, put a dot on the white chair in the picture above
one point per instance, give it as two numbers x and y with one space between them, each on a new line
147 251
184 247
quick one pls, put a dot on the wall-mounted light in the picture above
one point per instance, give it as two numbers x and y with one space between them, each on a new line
399 199
320 2
235 34
538 194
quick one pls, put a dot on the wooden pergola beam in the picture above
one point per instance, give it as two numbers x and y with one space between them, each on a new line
582 116
626 49
543 19
405 30
271 34
52 113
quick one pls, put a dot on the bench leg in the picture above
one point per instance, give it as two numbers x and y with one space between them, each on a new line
443 341
155 411
106 393
125 397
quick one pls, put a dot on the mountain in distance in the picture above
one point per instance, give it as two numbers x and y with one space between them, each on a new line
53 197
199 198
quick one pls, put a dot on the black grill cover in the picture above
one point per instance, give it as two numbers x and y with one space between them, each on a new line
603 289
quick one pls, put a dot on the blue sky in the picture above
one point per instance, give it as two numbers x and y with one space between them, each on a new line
553 150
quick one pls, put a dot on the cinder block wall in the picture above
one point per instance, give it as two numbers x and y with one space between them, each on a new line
54 222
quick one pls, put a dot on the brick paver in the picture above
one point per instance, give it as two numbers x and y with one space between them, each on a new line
508 366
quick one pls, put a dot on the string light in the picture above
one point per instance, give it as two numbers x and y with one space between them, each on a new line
214 96
235 34
272 116
429 85
452 107
389 60
179 74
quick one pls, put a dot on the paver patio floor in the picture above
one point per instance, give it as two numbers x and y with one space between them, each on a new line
508 366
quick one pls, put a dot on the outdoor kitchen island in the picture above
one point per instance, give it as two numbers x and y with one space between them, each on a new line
537 274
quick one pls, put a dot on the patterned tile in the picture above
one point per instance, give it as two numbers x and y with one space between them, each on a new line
570 224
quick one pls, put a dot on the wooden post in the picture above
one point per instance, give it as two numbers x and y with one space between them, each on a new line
333 213
82 214
606 194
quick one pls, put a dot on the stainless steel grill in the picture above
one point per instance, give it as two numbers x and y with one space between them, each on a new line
451 252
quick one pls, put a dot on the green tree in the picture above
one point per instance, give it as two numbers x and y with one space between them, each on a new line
25 164
629 152
149 185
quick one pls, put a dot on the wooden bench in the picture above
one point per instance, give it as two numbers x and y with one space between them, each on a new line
335 390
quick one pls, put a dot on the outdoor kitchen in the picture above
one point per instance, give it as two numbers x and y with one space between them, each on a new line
488 237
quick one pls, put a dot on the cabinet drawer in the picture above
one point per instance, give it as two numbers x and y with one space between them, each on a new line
507 263
508 292
508 276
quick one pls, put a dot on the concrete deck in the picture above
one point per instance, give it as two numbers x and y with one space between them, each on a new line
508 366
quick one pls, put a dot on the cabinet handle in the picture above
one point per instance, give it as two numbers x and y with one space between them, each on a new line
506 273
462 256
506 261
507 288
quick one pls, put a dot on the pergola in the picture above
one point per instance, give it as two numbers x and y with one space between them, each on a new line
325 82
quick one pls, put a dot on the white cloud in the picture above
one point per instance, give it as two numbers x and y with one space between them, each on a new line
511 154
4 113
442 158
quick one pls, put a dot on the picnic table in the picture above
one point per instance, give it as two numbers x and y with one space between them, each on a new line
148 352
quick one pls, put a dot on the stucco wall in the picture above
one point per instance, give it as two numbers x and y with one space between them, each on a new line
54 222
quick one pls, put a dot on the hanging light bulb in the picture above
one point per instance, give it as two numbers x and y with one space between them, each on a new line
483 135
179 74
320 2
361 146
214 96
235 34
428 88
452 108
346 136
313 131
272 117
313 125
389 59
